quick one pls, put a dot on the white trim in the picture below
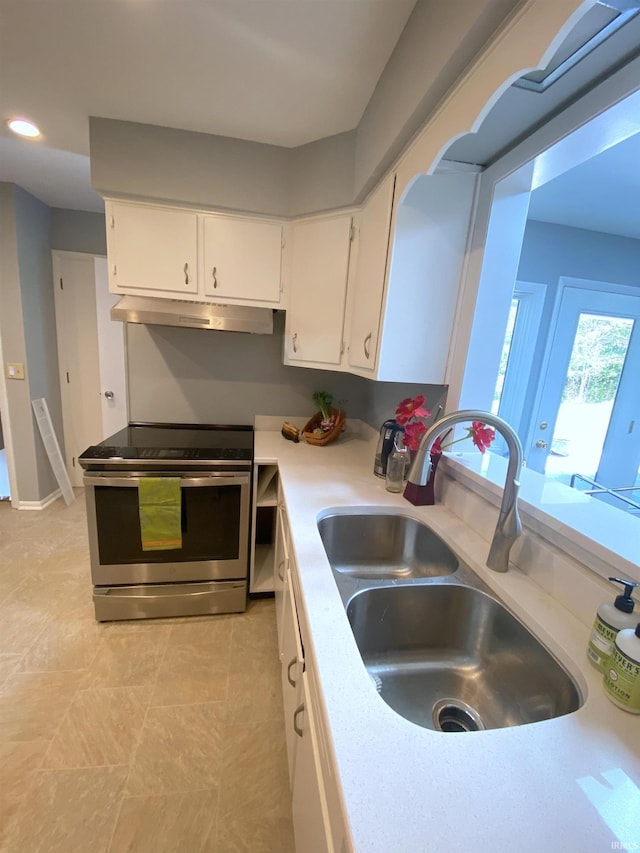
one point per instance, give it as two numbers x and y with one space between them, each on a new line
43 504
6 433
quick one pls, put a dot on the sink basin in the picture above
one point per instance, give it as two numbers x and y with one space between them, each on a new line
384 547
451 658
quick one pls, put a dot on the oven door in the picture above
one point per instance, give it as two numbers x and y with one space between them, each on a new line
215 529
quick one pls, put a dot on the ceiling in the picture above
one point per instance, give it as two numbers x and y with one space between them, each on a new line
283 72
274 71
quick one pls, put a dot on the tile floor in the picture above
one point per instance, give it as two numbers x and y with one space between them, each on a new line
163 735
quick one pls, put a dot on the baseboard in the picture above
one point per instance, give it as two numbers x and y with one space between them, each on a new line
43 504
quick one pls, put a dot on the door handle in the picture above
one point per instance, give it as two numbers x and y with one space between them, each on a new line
296 713
367 347
292 662
213 274
186 273
109 395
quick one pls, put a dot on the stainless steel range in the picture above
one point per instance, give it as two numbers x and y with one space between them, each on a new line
206 572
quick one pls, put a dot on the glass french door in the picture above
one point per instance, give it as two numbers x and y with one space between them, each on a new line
588 417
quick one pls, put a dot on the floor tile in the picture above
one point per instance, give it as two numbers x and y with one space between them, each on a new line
252 753
254 817
69 811
206 629
19 625
63 644
193 673
167 824
180 750
18 763
8 665
249 681
64 733
128 660
256 834
101 727
32 705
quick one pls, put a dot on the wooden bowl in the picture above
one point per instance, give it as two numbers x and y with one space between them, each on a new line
326 437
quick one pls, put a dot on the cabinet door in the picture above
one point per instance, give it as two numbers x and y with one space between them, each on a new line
311 825
280 568
369 279
319 270
242 259
292 666
151 248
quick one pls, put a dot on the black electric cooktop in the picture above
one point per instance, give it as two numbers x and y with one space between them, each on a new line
193 442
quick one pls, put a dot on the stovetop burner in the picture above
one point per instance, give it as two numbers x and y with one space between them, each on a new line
188 443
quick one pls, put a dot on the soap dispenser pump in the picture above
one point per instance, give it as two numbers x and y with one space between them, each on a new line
610 619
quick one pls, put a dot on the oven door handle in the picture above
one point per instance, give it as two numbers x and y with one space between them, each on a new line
185 482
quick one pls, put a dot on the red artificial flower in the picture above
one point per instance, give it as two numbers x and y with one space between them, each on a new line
481 434
413 433
409 408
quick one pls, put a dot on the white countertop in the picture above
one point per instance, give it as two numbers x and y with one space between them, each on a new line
568 784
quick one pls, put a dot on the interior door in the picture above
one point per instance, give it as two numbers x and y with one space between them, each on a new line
90 352
113 386
588 419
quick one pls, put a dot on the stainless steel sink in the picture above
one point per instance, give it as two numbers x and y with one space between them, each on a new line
451 658
384 547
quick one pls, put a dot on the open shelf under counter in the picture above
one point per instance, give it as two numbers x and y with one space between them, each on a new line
263 527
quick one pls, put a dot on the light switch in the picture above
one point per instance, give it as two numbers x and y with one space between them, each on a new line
15 370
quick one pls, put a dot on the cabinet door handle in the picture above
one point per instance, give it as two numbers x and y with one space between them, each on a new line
293 341
289 679
281 570
367 348
213 274
296 713
186 273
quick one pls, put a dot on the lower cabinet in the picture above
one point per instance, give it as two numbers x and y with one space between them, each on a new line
317 828
311 823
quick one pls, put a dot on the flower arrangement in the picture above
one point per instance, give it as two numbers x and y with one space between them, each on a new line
481 435
409 414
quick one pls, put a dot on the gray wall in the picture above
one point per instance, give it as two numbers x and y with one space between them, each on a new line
193 375
141 160
27 318
78 231
550 251
439 41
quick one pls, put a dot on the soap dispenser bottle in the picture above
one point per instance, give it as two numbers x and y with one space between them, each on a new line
610 619
622 675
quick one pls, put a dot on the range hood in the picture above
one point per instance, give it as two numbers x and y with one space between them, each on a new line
193 315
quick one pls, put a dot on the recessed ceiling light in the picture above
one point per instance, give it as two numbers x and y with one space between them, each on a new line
23 127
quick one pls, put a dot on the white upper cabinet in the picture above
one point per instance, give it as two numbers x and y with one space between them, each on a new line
372 230
171 252
431 233
242 259
408 273
151 248
319 267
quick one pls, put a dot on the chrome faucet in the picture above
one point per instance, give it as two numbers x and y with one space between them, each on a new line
509 527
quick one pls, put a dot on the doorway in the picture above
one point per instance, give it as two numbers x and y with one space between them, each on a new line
91 360
586 421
